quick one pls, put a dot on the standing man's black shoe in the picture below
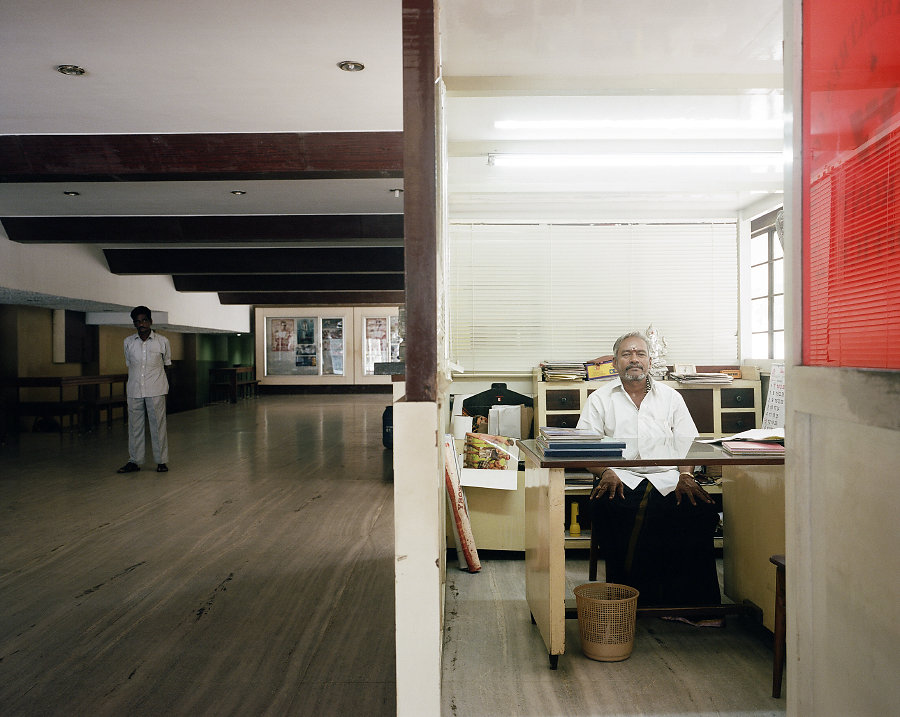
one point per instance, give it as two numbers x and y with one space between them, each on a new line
129 467
162 468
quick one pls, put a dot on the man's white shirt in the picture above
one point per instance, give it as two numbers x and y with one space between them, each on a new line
662 426
145 361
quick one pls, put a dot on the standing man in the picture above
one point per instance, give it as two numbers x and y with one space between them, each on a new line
656 523
146 355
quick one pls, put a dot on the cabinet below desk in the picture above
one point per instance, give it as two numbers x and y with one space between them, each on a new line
754 531
497 517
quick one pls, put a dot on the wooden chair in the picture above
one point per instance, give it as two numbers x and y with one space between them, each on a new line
780 630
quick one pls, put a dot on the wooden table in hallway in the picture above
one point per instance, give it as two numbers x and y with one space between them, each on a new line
80 398
545 538
235 381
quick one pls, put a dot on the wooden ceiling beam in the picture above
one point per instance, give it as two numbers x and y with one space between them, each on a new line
167 157
264 260
289 282
315 298
205 229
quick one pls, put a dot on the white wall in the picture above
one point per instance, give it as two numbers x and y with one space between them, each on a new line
79 271
418 557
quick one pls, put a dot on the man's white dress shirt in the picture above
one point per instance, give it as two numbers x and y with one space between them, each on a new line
145 361
661 427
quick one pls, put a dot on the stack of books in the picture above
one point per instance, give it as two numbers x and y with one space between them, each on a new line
753 448
701 377
576 443
563 370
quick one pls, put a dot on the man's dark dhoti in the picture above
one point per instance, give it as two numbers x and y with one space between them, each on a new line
664 550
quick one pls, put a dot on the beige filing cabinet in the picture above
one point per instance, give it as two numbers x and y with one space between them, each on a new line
754 530
718 410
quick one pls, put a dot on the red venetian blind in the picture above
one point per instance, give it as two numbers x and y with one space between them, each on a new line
851 196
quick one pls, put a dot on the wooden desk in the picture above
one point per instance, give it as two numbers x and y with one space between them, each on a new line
82 408
545 567
235 381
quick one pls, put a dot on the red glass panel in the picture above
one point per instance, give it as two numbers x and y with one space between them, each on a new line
851 183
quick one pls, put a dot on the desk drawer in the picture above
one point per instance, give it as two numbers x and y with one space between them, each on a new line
563 420
737 398
564 400
737 422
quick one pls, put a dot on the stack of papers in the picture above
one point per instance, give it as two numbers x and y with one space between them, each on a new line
760 435
753 448
563 370
701 377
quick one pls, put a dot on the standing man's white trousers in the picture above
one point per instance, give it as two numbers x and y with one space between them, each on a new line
154 407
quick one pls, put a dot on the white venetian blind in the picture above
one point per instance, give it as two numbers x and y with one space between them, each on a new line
523 294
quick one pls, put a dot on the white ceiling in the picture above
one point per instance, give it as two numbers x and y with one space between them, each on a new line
624 62
210 66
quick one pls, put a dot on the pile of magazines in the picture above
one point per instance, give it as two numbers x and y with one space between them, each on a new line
701 377
563 370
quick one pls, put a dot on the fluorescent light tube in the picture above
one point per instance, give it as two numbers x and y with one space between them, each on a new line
672 123
649 159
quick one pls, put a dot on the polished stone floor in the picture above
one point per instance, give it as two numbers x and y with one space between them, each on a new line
255 577
495 662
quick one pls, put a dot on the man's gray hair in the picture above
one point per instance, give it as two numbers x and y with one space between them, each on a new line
631 334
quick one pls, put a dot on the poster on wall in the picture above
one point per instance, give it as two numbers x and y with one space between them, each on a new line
332 347
377 345
291 348
306 351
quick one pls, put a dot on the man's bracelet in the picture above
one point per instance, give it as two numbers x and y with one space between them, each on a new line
685 473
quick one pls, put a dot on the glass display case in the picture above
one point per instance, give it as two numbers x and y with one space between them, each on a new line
309 345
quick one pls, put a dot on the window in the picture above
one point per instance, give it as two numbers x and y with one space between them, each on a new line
522 294
766 289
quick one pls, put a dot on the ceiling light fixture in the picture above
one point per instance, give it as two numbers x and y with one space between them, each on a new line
70 70
72 194
351 66
238 192
658 159
663 123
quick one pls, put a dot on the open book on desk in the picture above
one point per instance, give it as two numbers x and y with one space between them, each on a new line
760 435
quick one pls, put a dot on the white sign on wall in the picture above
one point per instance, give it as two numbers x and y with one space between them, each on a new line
774 414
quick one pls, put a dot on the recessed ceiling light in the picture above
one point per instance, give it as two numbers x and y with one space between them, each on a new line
72 194
238 192
70 69
351 66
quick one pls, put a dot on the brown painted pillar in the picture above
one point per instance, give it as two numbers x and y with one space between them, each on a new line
420 69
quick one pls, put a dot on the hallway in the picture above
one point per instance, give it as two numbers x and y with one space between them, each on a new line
254 578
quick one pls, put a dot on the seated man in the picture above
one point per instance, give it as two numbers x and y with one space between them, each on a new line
656 523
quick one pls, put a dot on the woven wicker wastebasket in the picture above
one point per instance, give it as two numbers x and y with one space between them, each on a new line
606 617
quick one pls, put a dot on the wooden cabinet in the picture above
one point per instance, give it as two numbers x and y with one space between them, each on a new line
718 410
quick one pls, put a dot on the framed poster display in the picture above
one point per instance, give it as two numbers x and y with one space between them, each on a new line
379 334
325 344
303 345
